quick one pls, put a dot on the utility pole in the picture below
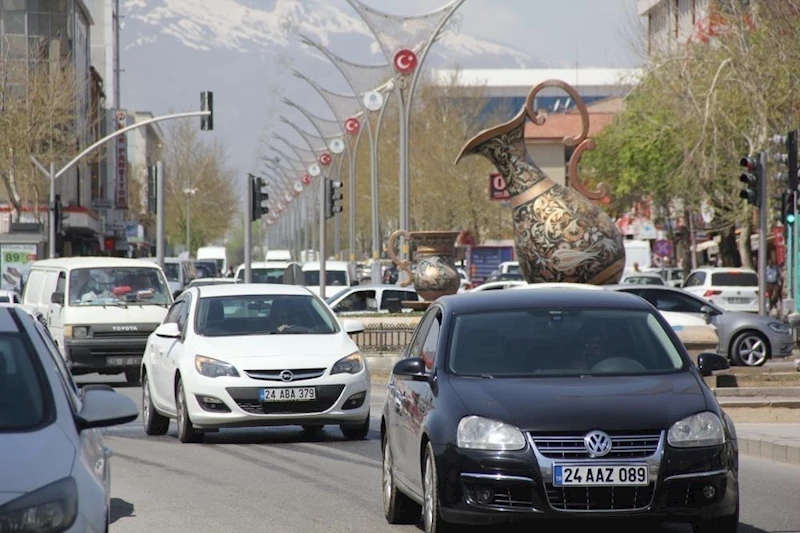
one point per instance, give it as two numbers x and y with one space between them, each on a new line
762 236
160 215
323 244
248 230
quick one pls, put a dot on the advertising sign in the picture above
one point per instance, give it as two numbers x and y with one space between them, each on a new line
15 263
122 162
497 187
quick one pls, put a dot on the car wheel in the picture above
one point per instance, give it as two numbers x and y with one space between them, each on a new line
397 507
186 430
725 524
133 375
431 518
749 348
357 432
154 423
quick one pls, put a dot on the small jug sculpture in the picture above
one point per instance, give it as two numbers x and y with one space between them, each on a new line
436 273
559 234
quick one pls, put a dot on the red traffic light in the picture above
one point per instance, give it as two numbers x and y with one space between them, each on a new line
749 162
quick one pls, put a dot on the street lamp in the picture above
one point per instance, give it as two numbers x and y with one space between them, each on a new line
189 192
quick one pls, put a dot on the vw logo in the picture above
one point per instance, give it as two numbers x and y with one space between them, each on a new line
597 443
287 375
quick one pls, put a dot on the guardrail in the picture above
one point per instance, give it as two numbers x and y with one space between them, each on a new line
384 339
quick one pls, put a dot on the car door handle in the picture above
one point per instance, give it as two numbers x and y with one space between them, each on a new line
107 452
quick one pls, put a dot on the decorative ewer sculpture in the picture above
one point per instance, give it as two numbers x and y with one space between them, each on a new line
436 273
559 234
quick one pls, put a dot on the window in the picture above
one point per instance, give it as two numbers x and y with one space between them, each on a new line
264 275
61 283
357 301
24 400
431 341
415 350
14 22
263 314
71 389
172 271
734 279
332 277
117 286
695 280
183 317
175 312
402 296
673 301
561 342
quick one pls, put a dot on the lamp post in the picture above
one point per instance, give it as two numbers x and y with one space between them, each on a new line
189 192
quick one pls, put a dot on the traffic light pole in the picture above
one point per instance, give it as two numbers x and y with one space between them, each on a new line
323 241
248 231
160 215
762 236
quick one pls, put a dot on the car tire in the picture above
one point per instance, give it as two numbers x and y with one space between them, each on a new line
186 430
725 524
743 347
431 517
356 432
154 422
397 507
133 376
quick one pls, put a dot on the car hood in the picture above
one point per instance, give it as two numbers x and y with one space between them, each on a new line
750 318
32 460
580 404
277 352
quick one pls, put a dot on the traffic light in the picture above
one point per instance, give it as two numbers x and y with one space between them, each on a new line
333 198
152 191
752 180
207 104
791 152
259 197
58 215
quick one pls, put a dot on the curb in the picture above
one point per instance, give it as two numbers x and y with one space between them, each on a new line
786 403
761 392
778 451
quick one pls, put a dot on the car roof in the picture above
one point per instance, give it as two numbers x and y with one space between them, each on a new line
266 264
94 261
241 289
541 299
724 269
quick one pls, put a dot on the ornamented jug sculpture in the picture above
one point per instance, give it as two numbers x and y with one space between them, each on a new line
559 234
436 273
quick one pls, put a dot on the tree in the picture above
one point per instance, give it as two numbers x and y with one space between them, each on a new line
191 163
38 115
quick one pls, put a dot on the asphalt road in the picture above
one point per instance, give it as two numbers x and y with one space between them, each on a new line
280 480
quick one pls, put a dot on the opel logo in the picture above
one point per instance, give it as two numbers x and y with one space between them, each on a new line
597 443
287 375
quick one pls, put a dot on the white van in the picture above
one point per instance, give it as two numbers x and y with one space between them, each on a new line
179 271
263 272
337 276
216 253
278 255
99 310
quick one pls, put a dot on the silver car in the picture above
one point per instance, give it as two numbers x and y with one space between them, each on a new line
746 338
54 464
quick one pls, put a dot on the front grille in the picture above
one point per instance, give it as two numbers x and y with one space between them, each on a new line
121 334
622 446
299 374
599 498
514 498
117 351
247 399
505 494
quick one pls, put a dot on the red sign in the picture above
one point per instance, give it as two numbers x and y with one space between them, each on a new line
352 125
325 159
497 187
405 61
780 245
122 162
109 244
306 180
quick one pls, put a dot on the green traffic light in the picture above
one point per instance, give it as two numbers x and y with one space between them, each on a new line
790 219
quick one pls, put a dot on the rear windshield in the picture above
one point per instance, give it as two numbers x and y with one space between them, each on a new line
23 402
734 279
264 275
561 342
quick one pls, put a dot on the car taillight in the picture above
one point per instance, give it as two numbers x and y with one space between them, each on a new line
710 293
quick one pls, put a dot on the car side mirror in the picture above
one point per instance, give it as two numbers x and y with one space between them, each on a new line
708 312
57 298
169 330
710 362
103 408
352 327
412 368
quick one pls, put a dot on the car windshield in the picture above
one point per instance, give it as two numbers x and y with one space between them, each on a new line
172 271
4 299
513 269
561 342
332 277
264 275
23 402
331 299
117 286
261 314
734 279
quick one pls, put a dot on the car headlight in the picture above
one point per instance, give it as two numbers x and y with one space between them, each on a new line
702 429
778 327
478 433
213 368
51 509
352 364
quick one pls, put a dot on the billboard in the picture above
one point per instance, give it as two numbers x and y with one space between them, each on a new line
497 187
121 153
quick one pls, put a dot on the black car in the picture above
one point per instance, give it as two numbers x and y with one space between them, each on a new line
561 405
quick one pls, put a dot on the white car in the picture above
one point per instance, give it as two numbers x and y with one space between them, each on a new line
642 278
8 296
498 285
732 289
253 355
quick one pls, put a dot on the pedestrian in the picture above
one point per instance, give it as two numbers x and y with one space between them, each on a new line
230 272
774 286
636 266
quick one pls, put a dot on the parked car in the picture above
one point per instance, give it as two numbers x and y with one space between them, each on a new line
571 404
642 278
370 298
732 289
248 355
498 285
673 276
747 339
56 467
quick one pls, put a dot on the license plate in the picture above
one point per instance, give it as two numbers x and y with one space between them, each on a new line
123 361
295 394
590 476
739 300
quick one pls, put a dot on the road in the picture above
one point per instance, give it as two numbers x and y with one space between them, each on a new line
279 479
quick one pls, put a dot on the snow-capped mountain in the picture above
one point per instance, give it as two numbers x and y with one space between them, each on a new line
244 51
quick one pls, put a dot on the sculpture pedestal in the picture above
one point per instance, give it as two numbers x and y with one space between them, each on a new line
416 306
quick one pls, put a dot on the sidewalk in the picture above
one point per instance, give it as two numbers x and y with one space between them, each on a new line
775 442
